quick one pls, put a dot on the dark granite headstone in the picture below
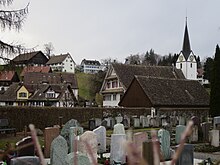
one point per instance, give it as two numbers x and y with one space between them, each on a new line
25 147
92 124
186 157
205 131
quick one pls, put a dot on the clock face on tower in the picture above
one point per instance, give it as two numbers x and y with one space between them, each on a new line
181 58
191 58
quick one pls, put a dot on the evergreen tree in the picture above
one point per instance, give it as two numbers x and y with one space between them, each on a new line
215 85
208 66
11 19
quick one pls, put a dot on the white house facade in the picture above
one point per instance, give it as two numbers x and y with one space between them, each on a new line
62 63
90 66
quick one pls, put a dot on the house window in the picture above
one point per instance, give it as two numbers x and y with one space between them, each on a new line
108 84
191 65
22 94
181 65
107 98
114 84
114 96
50 95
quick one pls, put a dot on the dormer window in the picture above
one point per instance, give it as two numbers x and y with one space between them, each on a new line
22 94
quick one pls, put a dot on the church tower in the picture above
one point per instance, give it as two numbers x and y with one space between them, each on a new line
186 60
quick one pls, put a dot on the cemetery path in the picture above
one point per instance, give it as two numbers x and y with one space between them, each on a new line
214 156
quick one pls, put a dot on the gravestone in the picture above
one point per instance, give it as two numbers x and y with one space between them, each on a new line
145 122
125 123
25 147
81 159
214 135
101 138
141 119
72 136
186 157
136 123
25 160
194 136
112 122
147 152
98 122
104 123
92 124
49 134
164 139
119 129
108 122
173 121
139 138
157 123
152 122
205 131
119 119
182 120
117 153
216 122
58 151
179 130
89 139
66 129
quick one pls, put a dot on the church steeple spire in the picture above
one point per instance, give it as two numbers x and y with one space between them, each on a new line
186 50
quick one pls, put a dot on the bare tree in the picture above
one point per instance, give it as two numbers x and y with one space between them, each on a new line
11 19
48 49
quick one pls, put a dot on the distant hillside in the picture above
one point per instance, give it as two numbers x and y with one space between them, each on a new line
84 85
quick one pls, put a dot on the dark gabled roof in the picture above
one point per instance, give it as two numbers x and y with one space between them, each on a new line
90 62
25 56
51 78
43 69
186 50
173 92
11 93
39 94
7 75
57 59
126 73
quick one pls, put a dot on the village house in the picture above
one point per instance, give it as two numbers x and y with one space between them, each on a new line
90 66
53 78
57 95
33 58
166 95
62 63
7 78
119 77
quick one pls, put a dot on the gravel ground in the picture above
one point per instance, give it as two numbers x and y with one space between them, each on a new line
214 156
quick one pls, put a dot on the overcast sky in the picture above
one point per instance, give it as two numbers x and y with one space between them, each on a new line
99 29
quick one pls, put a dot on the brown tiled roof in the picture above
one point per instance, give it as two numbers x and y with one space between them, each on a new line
57 59
43 69
126 73
6 75
51 78
11 93
25 56
42 88
173 92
